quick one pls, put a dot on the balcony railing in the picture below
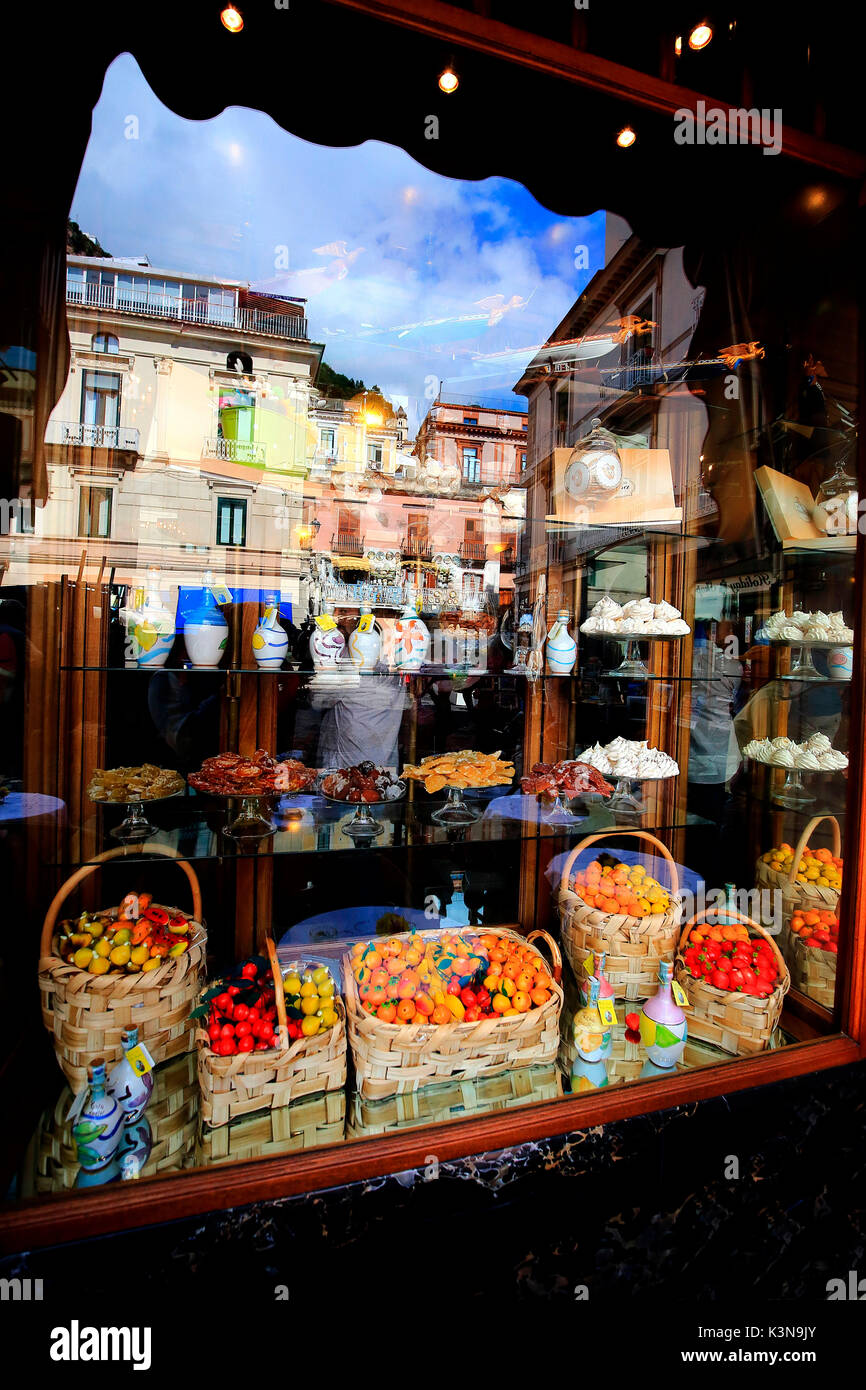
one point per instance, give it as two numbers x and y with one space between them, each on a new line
72 432
234 451
475 552
346 543
162 306
416 548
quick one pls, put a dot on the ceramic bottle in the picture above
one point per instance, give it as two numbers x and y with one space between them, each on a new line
205 630
592 1036
98 1127
327 643
152 628
561 647
411 640
365 642
270 641
663 1024
130 1088
605 988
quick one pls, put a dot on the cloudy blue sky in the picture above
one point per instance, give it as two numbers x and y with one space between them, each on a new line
410 277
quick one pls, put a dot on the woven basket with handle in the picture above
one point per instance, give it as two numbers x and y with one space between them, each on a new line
634 945
735 1022
87 1014
813 971
249 1081
392 1058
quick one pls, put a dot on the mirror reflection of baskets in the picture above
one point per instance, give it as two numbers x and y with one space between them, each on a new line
634 944
87 1013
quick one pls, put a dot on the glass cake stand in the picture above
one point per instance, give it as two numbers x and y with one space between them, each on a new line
456 811
632 666
135 826
363 826
624 799
804 668
253 820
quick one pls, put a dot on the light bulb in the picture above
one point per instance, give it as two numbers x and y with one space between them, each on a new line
232 19
626 137
448 81
700 35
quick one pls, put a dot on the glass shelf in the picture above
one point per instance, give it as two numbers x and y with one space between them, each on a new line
312 825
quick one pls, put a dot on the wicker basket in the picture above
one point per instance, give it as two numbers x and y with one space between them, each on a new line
455 1100
304 1124
87 1014
812 972
634 945
250 1081
393 1058
737 1023
172 1113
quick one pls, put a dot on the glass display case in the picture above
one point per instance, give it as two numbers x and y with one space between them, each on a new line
524 684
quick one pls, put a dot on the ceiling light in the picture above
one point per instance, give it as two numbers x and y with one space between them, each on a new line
232 19
626 137
448 80
700 35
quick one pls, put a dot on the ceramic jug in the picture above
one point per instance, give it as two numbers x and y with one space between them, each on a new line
561 647
152 628
327 644
270 641
98 1126
663 1024
130 1087
365 642
205 630
411 640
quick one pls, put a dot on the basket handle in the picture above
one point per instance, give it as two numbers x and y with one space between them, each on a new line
280 993
740 917
604 835
553 948
86 870
804 840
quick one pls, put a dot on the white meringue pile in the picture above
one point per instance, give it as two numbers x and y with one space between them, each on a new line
808 627
815 755
640 617
626 757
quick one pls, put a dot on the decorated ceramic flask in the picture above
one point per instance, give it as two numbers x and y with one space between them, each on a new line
592 1032
411 640
130 1085
152 628
594 970
327 644
205 630
98 1127
561 647
663 1024
365 642
270 641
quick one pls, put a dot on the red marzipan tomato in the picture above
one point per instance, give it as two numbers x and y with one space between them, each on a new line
244 1028
226 1047
250 970
472 1014
227 1030
223 1001
468 997
233 990
720 979
737 980
262 1046
711 949
241 1011
246 1043
214 1032
749 976
831 946
454 986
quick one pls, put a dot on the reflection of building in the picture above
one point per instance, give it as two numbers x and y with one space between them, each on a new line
379 515
182 435
487 446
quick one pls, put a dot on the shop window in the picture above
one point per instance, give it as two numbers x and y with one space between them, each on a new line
231 527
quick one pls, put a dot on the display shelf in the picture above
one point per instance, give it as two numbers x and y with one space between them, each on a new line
311 825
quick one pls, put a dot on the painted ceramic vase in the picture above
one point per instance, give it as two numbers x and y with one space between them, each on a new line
840 661
592 1036
153 628
561 647
411 641
270 641
605 988
588 1076
130 1089
663 1024
327 644
98 1128
365 642
205 630
135 1149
